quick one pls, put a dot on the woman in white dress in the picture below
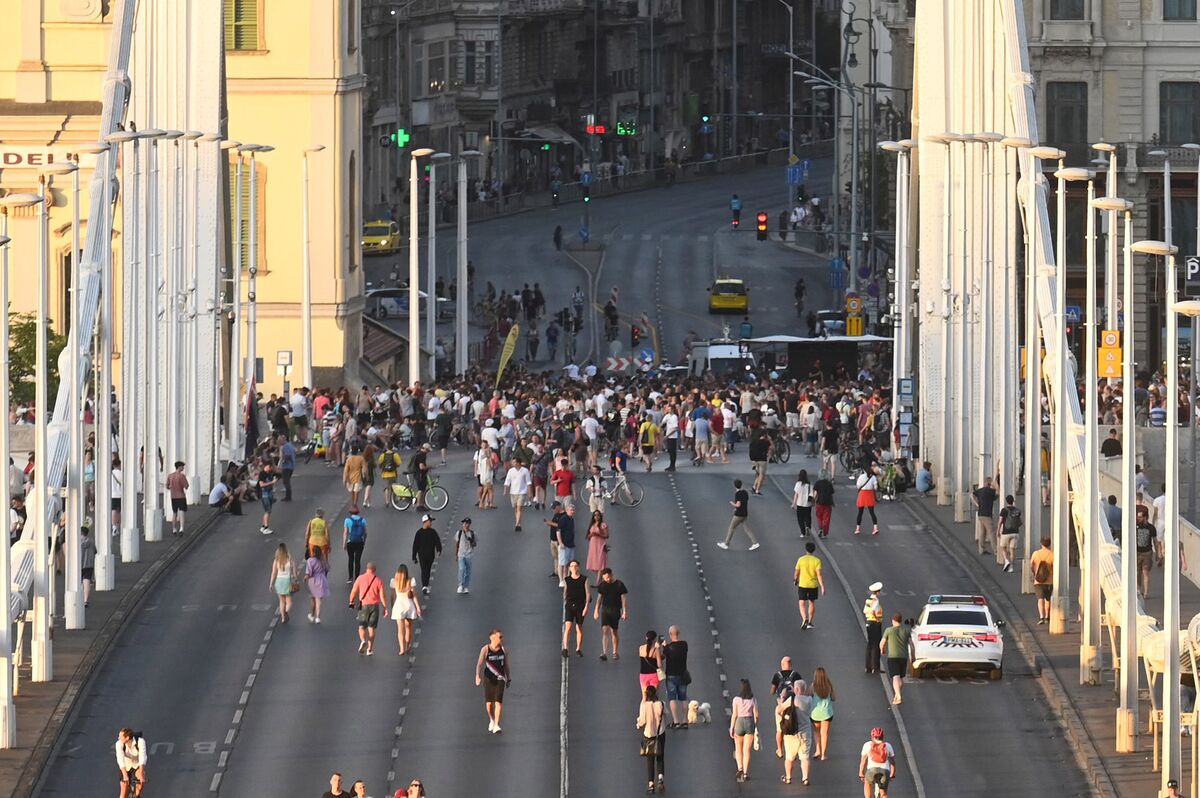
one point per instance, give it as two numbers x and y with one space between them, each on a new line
405 607
485 473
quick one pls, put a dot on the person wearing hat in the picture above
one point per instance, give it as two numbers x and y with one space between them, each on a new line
877 764
427 547
464 550
873 614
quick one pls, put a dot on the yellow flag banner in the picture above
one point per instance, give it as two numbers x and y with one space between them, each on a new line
510 346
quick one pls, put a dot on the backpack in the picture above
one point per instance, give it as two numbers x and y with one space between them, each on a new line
1013 521
879 754
1042 573
358 530
788 723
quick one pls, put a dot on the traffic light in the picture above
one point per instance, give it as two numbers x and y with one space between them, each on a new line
635 335
586 193
762 225
705 118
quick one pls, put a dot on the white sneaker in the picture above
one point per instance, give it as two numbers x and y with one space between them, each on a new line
754 546
311 619
491 727
362 646
317 619
561 583
722 544
466 590
265 530
496 729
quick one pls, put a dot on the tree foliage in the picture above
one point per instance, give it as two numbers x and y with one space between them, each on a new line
22 356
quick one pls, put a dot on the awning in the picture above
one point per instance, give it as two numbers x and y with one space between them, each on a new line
380 343
795 339
551 133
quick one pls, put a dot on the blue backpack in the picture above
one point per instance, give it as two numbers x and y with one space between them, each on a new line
358 529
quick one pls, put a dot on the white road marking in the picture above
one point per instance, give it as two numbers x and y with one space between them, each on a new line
216 782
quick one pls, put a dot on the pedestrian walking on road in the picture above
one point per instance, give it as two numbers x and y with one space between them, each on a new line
984 499
829 450
576 600
678 678
743 728
597 537
316 576
897 644
335 787
131 760
464 552
810 584
612 607
369 594
741 512
1041 565
783 679
822 710
354 474
650 660
867 484
670 431
493 670
287 467
565 537
177 486
516 485
873 616
87 563
406 607
1147 544
823 502
426 547
266 494
284 580
316 534
354 540
792 709
1011 521
802 500
652 721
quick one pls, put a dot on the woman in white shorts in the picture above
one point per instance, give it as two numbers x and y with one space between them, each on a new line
406 607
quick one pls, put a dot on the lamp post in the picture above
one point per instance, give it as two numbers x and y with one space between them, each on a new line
1011 419
1195 354
791 102
943 482
8 713
152 516
900 343
1089 642
75 509
435 160
1060 603
987 385
962 424
306 344
1111 289
461 341
252 286
1170 726
232 419
414 269
174 296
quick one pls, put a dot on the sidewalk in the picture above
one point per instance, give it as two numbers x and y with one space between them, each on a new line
44 709
1087 713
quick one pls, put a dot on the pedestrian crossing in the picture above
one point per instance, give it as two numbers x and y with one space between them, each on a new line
611 237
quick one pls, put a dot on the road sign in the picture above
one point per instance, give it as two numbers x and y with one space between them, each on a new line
793 159
1109 361
1191 271
906 390
616 363
283 357
854 325
794 175
647 355
1110 339
586 178
854 303
584 234
1074 314
805 164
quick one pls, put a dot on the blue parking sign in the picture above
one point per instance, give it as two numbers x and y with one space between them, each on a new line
794 177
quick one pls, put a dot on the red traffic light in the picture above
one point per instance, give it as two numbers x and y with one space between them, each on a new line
762 220
597 130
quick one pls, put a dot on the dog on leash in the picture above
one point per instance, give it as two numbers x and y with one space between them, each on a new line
699 713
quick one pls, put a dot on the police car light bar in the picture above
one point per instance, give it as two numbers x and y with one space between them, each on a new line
939 598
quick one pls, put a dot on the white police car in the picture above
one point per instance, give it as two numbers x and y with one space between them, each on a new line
958 631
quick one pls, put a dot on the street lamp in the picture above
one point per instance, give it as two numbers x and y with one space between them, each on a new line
791 98
233 418
962 424
1011 420
850 93
462 342
1126 725
435 160
152 516
943 483
986 306
174 296
1195 358
1089 642
414 269
252 286
306 344
8 713
900 354
1110 240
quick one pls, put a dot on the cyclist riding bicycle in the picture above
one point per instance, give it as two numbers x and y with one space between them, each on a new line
735 205
877 765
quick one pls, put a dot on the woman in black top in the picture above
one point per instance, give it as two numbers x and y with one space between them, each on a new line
650 660
576 598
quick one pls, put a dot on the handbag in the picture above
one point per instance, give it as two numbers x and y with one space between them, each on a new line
649 746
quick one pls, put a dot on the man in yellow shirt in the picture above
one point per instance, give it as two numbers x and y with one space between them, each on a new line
810 584
1041 564
647 438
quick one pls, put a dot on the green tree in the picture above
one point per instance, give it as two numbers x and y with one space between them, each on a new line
22 356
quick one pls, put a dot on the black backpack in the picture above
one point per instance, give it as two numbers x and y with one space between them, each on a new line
1013 520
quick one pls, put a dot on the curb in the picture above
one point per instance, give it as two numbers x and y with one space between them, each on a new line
1087 757
51 739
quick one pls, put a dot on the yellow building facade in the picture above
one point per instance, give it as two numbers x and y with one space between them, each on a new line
294 81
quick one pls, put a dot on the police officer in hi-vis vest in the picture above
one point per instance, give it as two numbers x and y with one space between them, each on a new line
873 614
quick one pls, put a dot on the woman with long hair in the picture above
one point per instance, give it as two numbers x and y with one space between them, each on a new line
597 537
283 573
822 711
405 607
651 720
743 728
316 576
802 502
485 473
650 660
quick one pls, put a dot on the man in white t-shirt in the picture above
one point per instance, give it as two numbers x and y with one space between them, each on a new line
877 764
516 485
1160 510
670 434
591 428
490 434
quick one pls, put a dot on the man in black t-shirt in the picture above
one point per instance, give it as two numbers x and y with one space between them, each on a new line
1147 543
1111 446
984 499
823 503
611 608
675 655
741 511
335 788
784 681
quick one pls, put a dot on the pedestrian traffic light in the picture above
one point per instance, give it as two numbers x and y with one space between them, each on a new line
586 192
705 118
635 335
762 225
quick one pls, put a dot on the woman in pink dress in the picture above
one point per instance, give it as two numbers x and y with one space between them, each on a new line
597 535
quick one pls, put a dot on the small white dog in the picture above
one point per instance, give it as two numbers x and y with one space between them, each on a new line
699 713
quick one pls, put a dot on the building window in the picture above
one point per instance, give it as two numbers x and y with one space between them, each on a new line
489 67
1179 10
435 59
469 64
241 24
1179 112
418 70
260 219
1066 113
1067 9
351 25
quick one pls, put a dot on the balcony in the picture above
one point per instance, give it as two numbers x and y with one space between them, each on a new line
1179 156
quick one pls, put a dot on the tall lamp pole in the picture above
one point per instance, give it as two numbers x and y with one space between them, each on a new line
152 516
414 269
252 287
1089 642
1011 421
306 344
461 340
792 104
901 299
943 482
233 417
1195 324
75 509
435 160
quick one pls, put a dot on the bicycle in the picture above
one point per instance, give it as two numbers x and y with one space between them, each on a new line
783 450
402 495
849 456
625 493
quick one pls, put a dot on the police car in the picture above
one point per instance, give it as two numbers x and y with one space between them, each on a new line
958 631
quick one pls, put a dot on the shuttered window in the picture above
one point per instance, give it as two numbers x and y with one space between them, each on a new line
241 24
245 217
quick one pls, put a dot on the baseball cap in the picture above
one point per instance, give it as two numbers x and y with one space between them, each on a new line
426 517
467 520
875 587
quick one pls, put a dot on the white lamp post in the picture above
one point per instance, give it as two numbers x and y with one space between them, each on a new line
1010 376
1126 725
1195 354
198 481
462 339
152 516
901 301
1089 642
252 286
1111 290
943 484
414 269
987 384
72 582
232 417
8 715
962 424
173 368
435 160
306 306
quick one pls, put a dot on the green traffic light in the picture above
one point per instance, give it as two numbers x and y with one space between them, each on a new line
705 119
545 146
400 138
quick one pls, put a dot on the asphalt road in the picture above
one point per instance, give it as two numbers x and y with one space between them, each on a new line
662 248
